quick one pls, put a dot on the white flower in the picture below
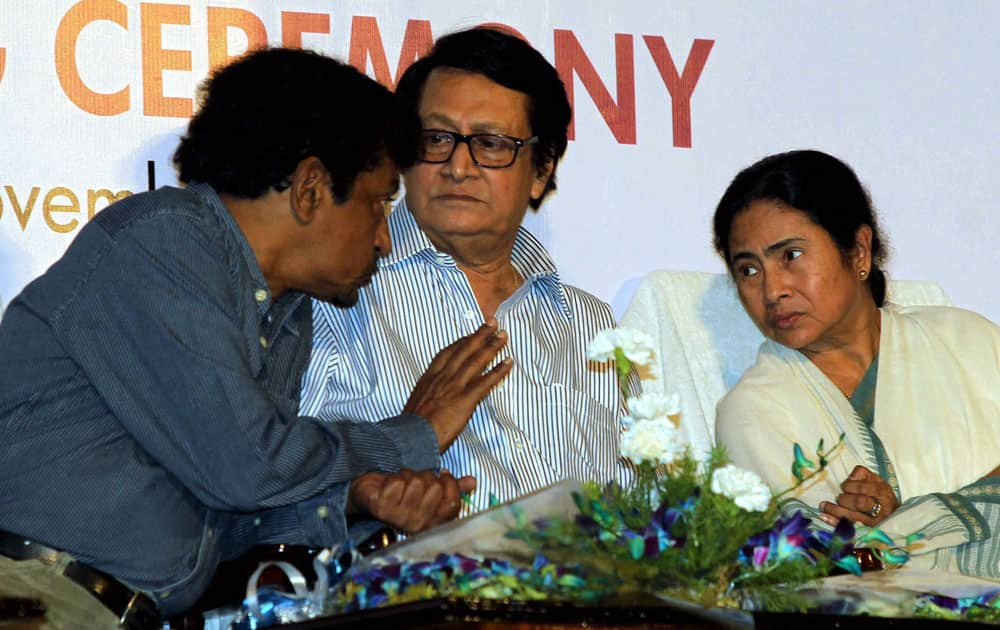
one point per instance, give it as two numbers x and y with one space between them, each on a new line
636 345
652 405
602 346
744 487
654 441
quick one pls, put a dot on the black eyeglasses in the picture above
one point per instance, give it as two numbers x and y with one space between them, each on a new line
489 150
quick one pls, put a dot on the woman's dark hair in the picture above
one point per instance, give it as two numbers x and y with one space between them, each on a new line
820 186
511 62
265 112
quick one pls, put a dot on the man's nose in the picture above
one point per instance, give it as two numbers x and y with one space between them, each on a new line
461 164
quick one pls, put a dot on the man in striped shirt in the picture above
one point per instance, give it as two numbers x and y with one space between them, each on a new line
494 116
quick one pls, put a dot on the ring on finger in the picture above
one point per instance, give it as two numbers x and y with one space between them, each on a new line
876 508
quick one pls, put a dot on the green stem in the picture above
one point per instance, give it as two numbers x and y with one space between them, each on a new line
823 458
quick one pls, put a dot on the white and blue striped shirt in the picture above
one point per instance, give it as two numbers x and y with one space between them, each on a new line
556 415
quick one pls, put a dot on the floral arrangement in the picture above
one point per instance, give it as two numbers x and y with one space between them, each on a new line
700 530
705 530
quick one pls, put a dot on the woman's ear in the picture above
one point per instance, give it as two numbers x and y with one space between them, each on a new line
310 183
863 249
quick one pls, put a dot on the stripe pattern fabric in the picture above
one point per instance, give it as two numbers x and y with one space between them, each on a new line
556 415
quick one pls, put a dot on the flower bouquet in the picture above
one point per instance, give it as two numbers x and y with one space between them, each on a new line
694 529
686 529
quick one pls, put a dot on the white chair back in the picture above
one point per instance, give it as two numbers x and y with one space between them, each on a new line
705 340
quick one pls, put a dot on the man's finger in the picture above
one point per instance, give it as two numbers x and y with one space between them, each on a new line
392 492
466 484
457 353
364 492
482 386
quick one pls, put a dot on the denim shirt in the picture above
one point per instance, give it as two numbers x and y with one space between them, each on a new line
149 394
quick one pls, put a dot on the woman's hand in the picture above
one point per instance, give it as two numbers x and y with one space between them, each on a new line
866 498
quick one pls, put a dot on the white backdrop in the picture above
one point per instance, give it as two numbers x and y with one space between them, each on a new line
904 91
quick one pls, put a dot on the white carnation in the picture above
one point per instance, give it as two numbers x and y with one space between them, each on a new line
602 346
636 345
654 441
652 405
744 487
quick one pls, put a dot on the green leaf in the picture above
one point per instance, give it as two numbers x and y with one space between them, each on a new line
912 538
850 564
800 457
636 547
876 535
894 556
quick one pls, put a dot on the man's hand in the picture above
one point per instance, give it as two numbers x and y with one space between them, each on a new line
862 491
454 383
409 501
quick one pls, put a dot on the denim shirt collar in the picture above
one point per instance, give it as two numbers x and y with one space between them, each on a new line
250 279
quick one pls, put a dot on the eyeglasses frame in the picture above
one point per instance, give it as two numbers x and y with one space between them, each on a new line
460 138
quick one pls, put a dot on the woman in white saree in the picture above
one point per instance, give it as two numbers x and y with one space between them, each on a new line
915 391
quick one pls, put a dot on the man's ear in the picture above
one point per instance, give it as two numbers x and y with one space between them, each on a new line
310 186
541 181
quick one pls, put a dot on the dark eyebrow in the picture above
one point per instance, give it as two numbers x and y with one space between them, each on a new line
770 250
438 119
738 256
490 127
782 244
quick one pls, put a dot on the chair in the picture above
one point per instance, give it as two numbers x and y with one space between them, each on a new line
705 340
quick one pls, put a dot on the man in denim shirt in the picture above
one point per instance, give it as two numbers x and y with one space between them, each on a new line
150 379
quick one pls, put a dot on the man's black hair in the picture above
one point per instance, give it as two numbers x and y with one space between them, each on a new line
511 62
265 112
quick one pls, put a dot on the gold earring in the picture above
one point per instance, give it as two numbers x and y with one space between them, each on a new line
863 274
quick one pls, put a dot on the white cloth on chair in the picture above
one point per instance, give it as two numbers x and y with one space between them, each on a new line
705 340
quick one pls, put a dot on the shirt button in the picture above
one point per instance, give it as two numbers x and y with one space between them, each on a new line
518 444
260 295
323 511
470 314
263 342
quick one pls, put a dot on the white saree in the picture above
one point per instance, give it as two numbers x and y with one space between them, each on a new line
937 427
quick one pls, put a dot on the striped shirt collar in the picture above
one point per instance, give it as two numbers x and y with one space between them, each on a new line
529 256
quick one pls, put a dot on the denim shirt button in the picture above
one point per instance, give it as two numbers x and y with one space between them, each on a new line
323 511
260 295
263 342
